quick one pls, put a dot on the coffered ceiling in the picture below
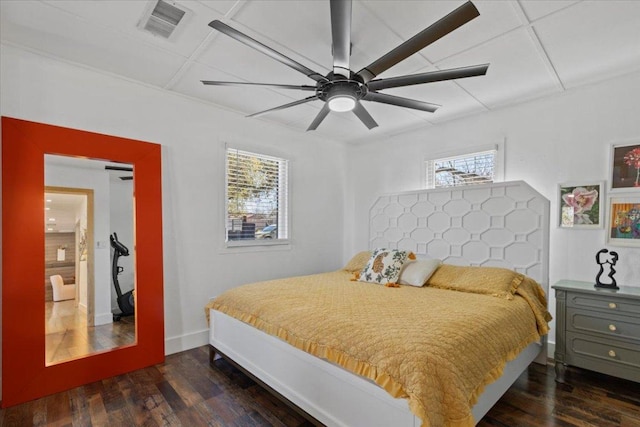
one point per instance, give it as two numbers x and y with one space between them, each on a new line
536 48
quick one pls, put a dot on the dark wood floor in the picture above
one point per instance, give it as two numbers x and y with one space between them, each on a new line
185 391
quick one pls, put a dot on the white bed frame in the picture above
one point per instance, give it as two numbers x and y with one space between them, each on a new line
504 224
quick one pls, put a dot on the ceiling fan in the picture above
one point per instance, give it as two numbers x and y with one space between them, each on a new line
123 169
342 89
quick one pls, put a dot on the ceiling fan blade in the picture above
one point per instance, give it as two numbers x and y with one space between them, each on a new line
431 76
118 168
319 118
441 28
252 43
274 85
401 102
282 107
364 116
341 34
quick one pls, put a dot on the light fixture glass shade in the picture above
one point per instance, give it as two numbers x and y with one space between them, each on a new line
341 103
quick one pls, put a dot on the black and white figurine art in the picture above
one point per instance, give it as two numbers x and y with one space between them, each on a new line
606 260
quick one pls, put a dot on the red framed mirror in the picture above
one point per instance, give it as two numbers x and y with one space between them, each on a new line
25 375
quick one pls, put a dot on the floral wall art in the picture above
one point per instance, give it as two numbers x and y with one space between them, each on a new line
625 167
624 221
580 205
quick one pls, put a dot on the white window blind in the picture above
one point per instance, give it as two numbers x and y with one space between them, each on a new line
466 169
257 196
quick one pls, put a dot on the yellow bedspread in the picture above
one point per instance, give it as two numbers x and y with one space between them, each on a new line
437 348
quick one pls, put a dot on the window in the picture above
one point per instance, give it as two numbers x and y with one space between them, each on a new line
256 196
478 167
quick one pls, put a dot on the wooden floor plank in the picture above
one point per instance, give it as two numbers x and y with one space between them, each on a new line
97 411
186 391
58 410
182 386
79 407
171 396
112 397
134 395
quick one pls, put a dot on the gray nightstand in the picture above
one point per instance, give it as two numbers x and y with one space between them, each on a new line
597 329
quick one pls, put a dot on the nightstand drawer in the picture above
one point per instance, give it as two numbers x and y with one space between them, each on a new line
604 354
603 323
604 302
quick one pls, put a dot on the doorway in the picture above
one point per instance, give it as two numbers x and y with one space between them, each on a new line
69 284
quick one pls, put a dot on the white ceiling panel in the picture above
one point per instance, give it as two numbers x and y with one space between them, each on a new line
454 100
223 7
249 65
124 16
604 40
67 37
517 70
246 100
536 9
535 47
301 27
496 17
372 38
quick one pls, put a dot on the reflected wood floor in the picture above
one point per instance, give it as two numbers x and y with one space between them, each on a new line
68 336
185 391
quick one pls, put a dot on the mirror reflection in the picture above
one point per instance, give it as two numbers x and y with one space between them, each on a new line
89 257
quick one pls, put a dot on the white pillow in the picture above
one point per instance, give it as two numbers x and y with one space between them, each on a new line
416 273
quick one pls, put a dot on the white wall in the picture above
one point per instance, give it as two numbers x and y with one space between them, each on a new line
192 135
547 142
121 216
98 181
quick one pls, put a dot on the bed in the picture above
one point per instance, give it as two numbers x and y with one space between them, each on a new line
497 225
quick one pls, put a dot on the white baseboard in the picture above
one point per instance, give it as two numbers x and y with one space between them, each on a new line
103 319
551 349
186 341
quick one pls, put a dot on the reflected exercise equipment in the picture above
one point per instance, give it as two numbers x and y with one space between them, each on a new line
125 301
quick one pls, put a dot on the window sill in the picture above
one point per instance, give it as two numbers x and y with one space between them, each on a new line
233 247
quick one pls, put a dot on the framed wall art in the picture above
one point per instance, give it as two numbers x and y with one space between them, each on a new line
624 167
623 224
579 205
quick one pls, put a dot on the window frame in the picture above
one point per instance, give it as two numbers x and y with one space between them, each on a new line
498 165
232 246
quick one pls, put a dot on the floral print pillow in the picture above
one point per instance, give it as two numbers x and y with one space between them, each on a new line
384 266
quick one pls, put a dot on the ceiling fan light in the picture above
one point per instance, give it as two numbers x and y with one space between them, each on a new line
342 103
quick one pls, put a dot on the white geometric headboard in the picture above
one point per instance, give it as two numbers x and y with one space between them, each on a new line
503 225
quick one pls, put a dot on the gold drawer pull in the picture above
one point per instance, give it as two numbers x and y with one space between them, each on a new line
612 353
612 328
613 305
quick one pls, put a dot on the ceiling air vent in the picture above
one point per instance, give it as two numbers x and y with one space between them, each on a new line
162 18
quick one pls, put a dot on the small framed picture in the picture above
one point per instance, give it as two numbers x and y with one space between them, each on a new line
624 167
579 205
623 224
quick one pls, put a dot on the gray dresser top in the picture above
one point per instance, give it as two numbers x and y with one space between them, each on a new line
588 287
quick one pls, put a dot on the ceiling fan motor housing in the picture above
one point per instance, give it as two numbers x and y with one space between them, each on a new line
341 87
